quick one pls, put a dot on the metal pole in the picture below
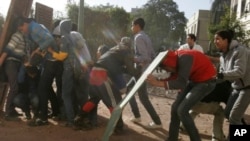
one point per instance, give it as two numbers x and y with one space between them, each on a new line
81 17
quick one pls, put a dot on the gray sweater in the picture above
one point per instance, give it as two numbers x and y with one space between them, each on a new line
234 65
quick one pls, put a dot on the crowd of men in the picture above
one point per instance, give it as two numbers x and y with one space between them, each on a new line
35 58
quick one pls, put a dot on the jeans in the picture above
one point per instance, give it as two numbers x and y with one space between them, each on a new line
237 105
24 101
111 96
211 108
11 70
185 100
44 88
72 88
143 96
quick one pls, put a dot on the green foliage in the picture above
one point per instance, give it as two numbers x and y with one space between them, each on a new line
165 24
102 24
106 24
72 11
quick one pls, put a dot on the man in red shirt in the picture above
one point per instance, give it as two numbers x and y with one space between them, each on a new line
194 75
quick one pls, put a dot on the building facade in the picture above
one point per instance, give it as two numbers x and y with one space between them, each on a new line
198 24
242 10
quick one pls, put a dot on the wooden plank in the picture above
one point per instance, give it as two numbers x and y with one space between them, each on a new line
119 108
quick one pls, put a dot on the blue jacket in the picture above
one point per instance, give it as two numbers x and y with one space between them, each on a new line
41 36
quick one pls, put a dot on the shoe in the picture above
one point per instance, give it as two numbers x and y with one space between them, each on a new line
28 115
83 126
152 125
52 115
82 123
38 122
136 120
69 124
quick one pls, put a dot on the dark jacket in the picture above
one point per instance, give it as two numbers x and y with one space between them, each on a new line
118 60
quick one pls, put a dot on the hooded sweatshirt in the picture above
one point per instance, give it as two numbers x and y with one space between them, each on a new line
74 45
234 65
67 44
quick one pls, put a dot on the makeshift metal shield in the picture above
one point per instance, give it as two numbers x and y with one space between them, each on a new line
119 108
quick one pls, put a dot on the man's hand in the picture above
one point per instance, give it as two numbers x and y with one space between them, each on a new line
151 79
50 50
37 51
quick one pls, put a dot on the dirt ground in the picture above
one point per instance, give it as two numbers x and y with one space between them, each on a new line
19 130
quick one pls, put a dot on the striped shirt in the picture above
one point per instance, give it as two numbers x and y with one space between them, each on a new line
16 47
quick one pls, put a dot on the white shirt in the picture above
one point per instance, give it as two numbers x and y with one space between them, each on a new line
195 47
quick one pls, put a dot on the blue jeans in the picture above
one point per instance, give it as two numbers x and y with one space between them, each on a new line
24 101
185 100
74 92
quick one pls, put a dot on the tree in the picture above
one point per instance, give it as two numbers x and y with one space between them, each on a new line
72 11
164 23
102 24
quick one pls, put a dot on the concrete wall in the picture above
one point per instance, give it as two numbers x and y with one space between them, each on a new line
198 24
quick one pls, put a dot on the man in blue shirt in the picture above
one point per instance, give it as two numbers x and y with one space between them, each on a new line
44 39
144 54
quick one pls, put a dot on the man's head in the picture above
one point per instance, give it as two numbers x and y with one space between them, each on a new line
137 25
57 35
222 39
22 24
191 38
65 26
126 41
169 63
101 50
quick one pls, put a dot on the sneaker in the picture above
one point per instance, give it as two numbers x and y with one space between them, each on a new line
69 124
136 120
152 125
38 122
28 115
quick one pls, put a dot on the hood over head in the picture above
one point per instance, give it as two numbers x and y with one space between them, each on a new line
65 27
56 31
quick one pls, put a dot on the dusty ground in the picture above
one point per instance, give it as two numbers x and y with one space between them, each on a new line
18 130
